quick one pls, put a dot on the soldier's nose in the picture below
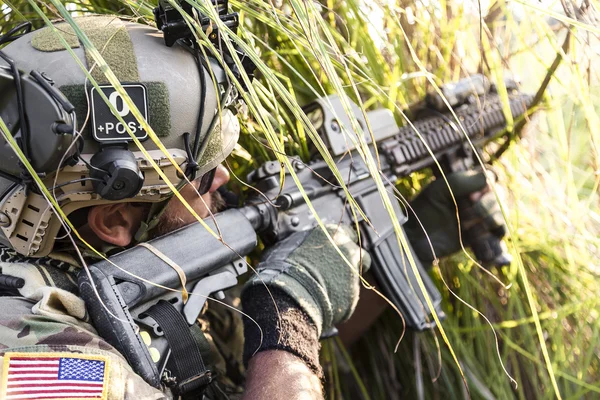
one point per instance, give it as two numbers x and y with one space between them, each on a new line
220 179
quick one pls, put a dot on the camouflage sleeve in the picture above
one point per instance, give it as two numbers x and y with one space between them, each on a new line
52 330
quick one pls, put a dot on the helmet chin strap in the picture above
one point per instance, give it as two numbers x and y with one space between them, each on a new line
151 222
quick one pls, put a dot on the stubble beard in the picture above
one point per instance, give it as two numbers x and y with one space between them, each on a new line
169 222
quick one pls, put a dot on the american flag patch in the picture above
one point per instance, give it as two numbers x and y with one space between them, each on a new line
65 376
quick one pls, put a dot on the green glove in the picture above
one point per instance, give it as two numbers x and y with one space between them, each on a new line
307 268
436 212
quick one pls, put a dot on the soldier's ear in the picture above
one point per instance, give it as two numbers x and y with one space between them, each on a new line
115 223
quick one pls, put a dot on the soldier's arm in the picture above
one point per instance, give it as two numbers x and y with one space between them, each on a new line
302 289
283 355
276 374
49 323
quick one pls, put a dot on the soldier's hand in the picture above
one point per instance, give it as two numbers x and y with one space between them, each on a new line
302 288
436 212
308 269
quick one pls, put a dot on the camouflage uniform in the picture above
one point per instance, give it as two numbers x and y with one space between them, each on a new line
47 316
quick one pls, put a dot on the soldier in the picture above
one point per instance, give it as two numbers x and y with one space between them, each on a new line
114 198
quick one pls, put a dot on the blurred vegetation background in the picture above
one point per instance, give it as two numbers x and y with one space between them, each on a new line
388 54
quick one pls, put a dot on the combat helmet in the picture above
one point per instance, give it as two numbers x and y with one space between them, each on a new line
75 141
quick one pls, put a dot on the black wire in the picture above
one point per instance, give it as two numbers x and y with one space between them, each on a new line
10 35
200 65
20 101
192 164
199 146
90 166
76 181
78 155
193 155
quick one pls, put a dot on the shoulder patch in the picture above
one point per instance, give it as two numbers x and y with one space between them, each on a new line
58 376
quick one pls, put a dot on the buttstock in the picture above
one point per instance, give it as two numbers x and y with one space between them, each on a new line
111 317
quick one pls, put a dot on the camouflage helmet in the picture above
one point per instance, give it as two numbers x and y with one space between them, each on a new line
182 97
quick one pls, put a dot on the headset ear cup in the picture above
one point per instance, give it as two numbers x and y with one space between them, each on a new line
117 172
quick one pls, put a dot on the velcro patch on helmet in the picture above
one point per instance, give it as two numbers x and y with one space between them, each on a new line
46 40
106 127
111 39
221 141
159 112
107 33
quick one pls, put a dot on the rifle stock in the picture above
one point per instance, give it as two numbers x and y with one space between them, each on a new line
120 289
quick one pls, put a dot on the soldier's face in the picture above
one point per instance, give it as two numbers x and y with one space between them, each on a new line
176 215
117 223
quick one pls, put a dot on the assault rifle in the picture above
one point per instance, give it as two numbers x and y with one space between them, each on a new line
142 311
476 105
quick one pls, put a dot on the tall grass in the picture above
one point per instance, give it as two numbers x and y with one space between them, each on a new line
389 54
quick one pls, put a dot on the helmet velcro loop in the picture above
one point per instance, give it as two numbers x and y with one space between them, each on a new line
107 34
159 111
46 40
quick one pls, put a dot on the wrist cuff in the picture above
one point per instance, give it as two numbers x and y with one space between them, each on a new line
286 327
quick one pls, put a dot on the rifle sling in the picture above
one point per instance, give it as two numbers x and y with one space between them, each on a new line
192 375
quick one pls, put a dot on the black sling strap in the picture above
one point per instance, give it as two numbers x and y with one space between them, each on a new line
186 355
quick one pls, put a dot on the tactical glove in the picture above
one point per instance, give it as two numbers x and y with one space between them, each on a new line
436 212
310 289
